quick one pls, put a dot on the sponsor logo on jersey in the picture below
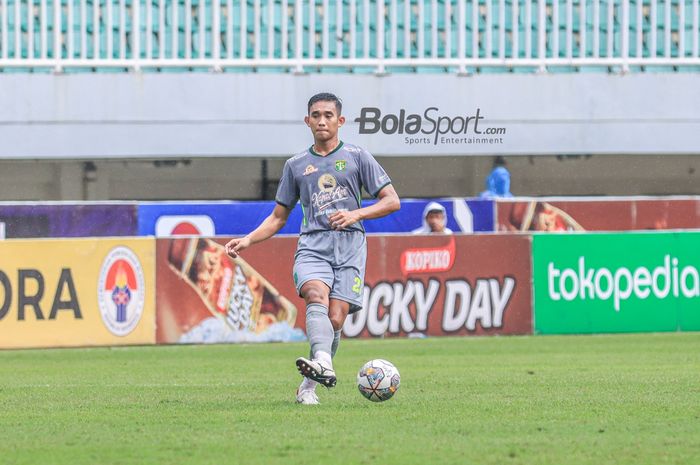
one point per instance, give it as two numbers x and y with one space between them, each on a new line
329 194
340 165
121 291
327 182
310 169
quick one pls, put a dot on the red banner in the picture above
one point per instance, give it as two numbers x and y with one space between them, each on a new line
445 285
202 295
597 215
414 285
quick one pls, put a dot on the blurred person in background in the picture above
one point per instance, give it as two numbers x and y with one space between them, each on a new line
497 183
434 220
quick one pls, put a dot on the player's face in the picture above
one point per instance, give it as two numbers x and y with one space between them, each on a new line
324 121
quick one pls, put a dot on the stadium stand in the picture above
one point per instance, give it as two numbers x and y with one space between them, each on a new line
350 35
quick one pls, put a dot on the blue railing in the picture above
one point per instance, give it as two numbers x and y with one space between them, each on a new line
359 35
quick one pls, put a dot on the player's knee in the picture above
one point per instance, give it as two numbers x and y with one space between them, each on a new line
314 295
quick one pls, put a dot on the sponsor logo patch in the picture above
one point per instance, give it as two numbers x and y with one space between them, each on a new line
310 169
327 182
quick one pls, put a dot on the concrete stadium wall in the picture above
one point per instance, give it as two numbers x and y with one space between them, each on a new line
122 115
241 178
206 136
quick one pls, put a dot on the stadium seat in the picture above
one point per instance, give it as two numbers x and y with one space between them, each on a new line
433 20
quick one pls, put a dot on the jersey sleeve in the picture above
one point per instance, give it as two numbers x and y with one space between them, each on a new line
372 175
287 190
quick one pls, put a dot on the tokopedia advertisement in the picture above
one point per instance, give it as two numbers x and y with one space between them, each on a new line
625 282
78 292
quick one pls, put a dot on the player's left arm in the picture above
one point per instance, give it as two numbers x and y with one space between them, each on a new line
387 202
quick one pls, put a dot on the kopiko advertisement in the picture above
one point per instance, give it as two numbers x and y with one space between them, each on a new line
445 285
597 215
625 282
415 285
78 292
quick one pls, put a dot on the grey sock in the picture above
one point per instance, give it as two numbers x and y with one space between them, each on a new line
319 328
334 346
336 342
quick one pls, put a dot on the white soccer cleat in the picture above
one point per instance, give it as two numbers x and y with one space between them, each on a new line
317 370
307 397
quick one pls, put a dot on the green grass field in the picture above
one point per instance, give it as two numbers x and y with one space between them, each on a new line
627 399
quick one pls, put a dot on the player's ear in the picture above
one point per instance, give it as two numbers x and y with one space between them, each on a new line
341 120
306 120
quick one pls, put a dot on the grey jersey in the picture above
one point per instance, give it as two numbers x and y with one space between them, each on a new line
326 184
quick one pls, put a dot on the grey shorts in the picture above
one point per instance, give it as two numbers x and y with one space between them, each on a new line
338 259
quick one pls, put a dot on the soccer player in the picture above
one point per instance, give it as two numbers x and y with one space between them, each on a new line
329 264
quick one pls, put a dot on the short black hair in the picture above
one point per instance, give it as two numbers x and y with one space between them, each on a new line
326 97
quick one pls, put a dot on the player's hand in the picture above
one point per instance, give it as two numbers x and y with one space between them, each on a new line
342 219
235 246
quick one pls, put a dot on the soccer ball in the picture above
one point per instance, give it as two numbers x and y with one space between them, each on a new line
378 380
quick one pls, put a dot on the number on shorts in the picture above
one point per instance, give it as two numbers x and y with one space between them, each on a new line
358 285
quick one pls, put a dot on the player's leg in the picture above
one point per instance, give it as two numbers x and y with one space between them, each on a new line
313 278
337 312
348 280
318 368
320 333
313 294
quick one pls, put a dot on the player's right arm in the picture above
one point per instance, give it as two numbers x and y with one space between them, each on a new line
268 228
